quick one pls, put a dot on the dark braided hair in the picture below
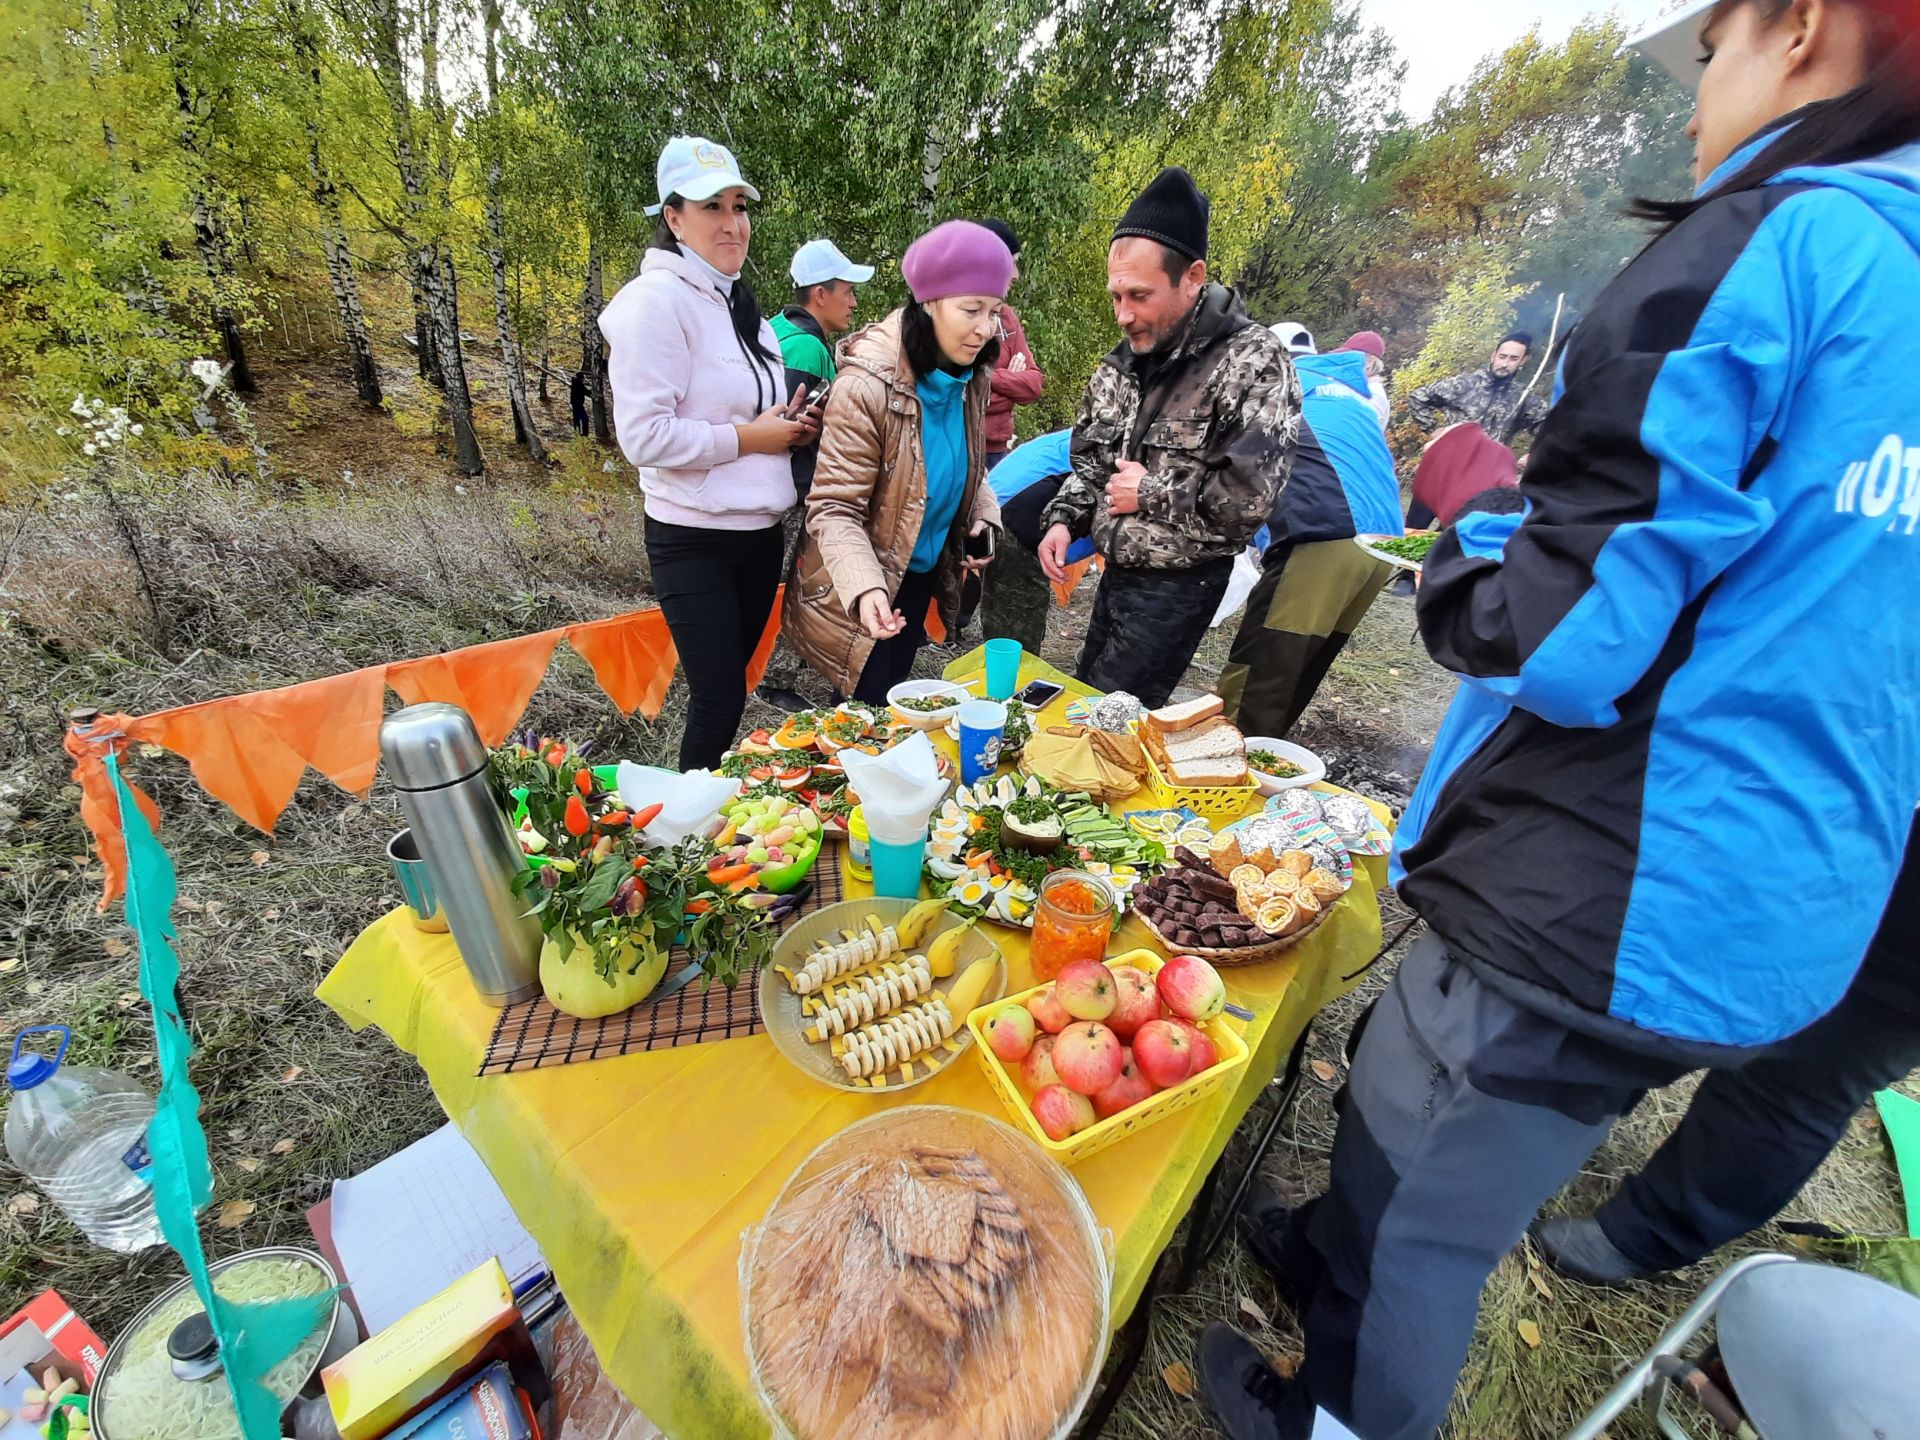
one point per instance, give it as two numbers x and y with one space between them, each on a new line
742 304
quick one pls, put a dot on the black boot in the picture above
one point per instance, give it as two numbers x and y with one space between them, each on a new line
1578 1248
1274 1234
1245 1395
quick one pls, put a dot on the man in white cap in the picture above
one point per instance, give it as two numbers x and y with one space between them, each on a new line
823 304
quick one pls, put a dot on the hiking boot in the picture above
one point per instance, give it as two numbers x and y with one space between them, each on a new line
1273 1233
1578 1248
1244 1393
789 701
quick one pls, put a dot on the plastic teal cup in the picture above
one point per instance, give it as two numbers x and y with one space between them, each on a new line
981 724
896 868
1003 669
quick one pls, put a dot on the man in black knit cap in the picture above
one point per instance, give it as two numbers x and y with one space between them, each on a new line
1180 446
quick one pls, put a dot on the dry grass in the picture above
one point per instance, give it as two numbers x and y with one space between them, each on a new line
255 586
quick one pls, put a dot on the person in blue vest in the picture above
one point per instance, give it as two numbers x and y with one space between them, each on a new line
1667 809
1015 591
1315 583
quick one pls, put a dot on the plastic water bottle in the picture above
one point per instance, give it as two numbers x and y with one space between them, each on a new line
80 1133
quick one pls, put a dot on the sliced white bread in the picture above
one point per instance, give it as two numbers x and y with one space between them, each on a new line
1217 770
1171 719
1217 736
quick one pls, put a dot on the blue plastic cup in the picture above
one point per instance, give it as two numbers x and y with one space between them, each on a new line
982 723
896 868
1003 669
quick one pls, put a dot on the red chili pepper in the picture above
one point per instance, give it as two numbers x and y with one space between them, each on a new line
727 874
699 905
583 781
557 756
614 819
646 817
578 822
639 862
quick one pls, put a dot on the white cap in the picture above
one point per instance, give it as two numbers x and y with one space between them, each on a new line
697 169
818 261
1673 42
1296 337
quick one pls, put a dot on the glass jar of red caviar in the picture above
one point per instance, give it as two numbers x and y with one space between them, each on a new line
1072 921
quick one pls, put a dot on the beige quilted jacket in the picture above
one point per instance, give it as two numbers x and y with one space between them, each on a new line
869 493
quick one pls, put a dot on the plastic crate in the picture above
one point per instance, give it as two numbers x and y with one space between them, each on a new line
1102 1133
1216 802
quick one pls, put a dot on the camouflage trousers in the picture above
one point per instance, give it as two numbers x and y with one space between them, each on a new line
1146 626
1015 598
1303 610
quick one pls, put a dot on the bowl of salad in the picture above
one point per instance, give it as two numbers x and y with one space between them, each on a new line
1403 552
1282 765
927 704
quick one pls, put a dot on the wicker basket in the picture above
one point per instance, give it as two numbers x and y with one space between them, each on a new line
1243 954
1218 802
1226 1039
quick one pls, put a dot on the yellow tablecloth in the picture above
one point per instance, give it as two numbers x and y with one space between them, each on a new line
638 1174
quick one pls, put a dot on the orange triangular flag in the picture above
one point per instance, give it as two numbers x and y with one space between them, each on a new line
936 628
99 807
1063 589
757 666
332 724
632 657
493 683
235 757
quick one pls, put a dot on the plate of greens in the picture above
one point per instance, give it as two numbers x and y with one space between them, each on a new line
1403 552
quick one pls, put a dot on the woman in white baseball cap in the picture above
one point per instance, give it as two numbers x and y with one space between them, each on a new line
699 405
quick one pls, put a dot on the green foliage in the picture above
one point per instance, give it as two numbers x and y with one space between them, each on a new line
1475 311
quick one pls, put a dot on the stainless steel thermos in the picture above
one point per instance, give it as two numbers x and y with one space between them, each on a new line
435 759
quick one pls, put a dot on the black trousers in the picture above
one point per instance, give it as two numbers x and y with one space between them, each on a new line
1753 1136
892 659
716 588
1146 625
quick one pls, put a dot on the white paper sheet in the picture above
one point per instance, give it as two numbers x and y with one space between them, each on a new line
419 1220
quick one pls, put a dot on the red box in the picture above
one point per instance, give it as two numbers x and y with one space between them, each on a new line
70 1336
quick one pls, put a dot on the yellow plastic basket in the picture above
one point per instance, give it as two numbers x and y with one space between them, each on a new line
1097 1137
1218 802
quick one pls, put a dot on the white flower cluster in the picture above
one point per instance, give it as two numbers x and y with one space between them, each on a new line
103 426
208 372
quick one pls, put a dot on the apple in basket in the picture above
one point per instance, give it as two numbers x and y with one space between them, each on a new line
1047 1010
1087 1055
1139 1002
1192 988
1205 1053
1164 1052
1124 1093
1086 989
1011 1031
1037 1069
1061 1112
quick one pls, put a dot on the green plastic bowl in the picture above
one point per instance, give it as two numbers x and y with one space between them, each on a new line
779 882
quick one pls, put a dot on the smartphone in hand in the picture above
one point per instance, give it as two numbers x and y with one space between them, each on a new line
980 547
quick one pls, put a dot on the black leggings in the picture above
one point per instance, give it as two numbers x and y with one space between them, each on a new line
892 659
716 588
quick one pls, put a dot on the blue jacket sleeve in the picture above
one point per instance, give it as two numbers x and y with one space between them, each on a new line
1635 490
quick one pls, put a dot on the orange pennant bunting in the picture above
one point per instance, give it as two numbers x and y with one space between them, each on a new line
1063 589
493 683
99 808
936 628
757 666
632 658
235 757
332 724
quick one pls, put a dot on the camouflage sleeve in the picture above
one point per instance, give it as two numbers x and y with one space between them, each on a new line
1085 487
1533 410
1428 406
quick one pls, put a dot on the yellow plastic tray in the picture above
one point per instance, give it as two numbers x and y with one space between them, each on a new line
1219 802
1102 1133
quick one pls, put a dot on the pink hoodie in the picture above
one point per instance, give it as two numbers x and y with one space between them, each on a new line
680 383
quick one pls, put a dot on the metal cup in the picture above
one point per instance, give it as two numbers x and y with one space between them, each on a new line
416 884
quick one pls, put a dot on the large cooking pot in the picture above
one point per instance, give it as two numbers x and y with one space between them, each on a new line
167 1356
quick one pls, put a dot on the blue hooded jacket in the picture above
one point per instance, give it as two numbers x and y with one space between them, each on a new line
1342 482
1671 797
1044 457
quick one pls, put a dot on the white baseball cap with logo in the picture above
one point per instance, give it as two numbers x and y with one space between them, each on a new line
695 168
818 261
1673 41
1296 337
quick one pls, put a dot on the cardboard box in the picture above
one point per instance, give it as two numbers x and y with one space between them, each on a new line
488 1407
420 1357
72 1340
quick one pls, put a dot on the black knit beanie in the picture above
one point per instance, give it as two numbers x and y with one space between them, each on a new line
1172 211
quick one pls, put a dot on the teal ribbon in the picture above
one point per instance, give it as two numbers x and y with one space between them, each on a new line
253 1337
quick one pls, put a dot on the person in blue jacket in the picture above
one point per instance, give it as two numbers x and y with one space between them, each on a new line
1666 811
1315 583
1015 592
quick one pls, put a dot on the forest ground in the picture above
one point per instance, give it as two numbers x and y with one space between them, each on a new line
362 547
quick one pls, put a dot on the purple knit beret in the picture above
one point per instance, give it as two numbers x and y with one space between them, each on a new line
957 258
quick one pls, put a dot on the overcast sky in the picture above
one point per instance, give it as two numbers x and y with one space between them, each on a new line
1442 39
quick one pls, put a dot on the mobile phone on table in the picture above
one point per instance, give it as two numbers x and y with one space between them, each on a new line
1039 694
980 547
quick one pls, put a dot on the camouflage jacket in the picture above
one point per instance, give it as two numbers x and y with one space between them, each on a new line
1213 421
1482 397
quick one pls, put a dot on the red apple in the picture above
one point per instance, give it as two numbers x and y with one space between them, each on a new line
1164 1052
1205 1053
1061 1112
1010 1032
1191 987
1087 1055
1086 988
1129 1090
1047 1010
1139 1002
1037 1069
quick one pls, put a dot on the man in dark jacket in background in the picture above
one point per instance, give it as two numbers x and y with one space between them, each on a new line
1491 397
1017 379
1181 443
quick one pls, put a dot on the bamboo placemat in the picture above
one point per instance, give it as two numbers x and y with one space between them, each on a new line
532 1035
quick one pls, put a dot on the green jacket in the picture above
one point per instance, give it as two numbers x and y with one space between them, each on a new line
803 346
